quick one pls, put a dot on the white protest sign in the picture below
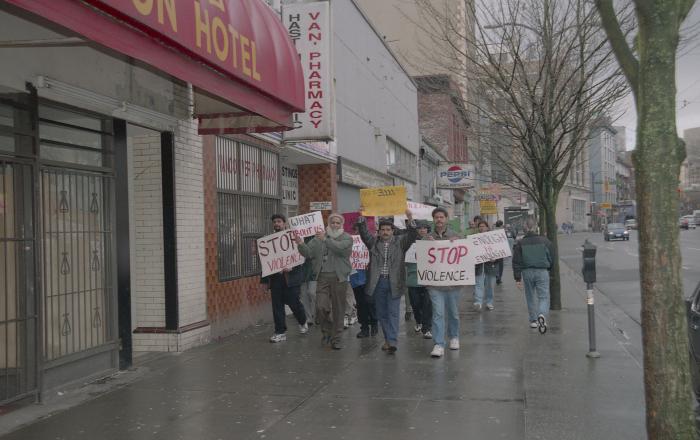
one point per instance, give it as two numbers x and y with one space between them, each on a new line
278 251
359 258
444 263
488 246
420 211
306 225
411 254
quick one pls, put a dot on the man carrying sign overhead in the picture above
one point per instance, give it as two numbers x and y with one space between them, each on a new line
387 273
330 251
285 288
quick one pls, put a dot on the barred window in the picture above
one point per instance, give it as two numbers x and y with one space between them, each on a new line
248 193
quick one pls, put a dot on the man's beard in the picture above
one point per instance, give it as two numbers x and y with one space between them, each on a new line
333 233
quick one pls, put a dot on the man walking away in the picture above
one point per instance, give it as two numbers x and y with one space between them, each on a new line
499 262
420 299
330 251
284 288
532 261
445 298
387 273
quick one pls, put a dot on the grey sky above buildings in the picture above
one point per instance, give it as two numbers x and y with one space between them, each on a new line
687 84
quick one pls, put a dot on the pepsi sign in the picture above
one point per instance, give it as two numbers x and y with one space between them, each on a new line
455 175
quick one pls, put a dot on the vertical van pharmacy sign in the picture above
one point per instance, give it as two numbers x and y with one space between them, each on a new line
309 27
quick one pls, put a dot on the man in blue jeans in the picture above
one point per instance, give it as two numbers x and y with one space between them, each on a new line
442 296
386 280
532 261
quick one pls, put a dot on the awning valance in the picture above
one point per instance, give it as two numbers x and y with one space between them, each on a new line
236 53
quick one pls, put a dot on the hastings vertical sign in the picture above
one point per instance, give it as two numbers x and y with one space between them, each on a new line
309 26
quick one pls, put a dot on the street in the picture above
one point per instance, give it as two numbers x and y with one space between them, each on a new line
617 264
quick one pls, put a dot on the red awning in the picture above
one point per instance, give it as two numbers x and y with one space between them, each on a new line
236 53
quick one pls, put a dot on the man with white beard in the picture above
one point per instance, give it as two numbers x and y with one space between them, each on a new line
330 253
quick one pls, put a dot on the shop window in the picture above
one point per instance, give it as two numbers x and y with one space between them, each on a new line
248 193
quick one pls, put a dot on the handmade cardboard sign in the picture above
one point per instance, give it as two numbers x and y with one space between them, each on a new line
278 251
359 258
420 211
488 246
306 225
383 201
444 263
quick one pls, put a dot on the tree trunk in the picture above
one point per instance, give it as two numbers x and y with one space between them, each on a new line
657 166
554 278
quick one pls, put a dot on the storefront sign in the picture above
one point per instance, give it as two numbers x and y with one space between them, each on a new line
387 200
245 167
307 225
488 207
420 211
444 263
290 185
278 251
488 246
455 175
359 258
321 206
605 205
309 27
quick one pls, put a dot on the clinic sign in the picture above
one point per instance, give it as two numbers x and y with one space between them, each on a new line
309 27
455 175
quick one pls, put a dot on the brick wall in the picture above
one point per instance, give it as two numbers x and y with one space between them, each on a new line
434 126
317 183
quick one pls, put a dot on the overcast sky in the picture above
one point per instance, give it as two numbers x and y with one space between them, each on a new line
687 84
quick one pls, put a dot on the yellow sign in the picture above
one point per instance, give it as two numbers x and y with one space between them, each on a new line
487 207
386 200
605 205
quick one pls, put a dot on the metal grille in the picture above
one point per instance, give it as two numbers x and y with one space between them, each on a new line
77 260
18 305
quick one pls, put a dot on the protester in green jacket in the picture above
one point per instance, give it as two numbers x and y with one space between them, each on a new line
420 299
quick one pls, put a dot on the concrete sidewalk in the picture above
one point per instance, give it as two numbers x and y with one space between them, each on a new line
507 381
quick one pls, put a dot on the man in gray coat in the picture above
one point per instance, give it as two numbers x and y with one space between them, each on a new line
330 253
386 280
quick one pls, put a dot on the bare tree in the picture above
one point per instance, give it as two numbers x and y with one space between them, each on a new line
545 73
651 72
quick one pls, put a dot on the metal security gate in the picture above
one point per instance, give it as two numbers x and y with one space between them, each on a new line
77 262
18 305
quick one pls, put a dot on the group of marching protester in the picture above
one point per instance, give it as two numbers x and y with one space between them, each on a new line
320 290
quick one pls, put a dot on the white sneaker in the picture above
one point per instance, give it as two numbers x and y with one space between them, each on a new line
278 337
346 322
353 320
438 351
489 306
427 335
304 329
454 344
477 307
534 324
417 328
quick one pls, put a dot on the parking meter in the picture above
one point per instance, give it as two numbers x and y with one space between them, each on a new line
589 250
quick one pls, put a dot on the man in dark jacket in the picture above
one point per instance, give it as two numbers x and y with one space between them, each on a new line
532 261
386 280
285 288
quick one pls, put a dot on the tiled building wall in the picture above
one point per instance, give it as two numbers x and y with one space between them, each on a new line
317 183
231 305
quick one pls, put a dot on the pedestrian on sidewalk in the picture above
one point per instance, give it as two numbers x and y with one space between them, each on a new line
308 289
420 299
350 308
284 288
387 273
366 314
532 261
486 274
499 263
330 251
445 299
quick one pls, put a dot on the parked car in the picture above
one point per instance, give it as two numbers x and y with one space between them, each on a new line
615 231
693 309
631 223
690 222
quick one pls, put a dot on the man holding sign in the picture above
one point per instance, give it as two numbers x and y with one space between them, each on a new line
284 286
330 253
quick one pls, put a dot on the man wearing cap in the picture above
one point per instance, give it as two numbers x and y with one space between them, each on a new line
330 253
387 273
284 288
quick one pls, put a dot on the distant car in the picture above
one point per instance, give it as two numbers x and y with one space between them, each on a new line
615 231
631 224
690 221
693 310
